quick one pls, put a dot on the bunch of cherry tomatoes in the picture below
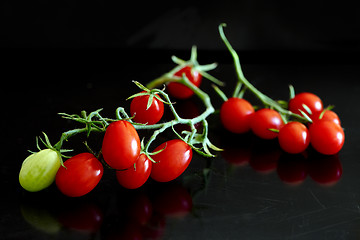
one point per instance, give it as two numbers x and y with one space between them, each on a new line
305 122
321 128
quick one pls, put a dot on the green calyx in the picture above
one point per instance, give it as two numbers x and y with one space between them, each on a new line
193 63
55 148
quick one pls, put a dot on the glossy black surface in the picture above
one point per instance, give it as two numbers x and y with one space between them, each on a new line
250 191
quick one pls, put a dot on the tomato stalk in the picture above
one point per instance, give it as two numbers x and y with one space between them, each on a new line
193 63
267 101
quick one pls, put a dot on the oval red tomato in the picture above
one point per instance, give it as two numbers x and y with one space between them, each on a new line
143 114
172 161
135 177
81 175
327 137
181 91
263 120
294 137
121 145
312 101
235 115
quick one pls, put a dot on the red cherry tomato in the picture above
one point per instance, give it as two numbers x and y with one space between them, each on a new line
312 101
143 114
235 115
172 161
121 145
82 173
327 137
181 91
328 115
294 137
263 120
135 177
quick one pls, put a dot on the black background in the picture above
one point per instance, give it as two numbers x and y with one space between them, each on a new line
70 56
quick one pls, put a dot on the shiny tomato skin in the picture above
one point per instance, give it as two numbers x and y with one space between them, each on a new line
328 115
327 137
294 137
121 145
311 100
142 114
181 91
263 120
172 161
235 115
81 175
135 177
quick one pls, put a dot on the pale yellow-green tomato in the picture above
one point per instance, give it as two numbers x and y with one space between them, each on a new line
38 171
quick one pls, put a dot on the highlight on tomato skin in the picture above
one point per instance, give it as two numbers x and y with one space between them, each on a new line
121 145
327 137
143 114
263 120
294 137
327 115
80 175
172 161
312 102
235 115
137 175
181 91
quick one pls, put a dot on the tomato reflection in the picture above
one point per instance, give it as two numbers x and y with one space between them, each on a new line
325 170
142 213
292 168
265 156
173 200
82 216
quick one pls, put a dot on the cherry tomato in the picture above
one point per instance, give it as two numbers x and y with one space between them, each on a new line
38 170
294 137
263 120
181 91
328 115
135 177
143 114
235 115
81 175
172 161
121 145
312 101
327 137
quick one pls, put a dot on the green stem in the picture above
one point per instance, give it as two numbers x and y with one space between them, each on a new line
267 101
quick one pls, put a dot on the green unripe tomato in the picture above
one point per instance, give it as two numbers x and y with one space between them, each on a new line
38 171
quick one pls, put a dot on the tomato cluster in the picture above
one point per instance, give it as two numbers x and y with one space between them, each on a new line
82 172
321 127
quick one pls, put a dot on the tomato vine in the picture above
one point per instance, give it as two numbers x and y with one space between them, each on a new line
123 151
